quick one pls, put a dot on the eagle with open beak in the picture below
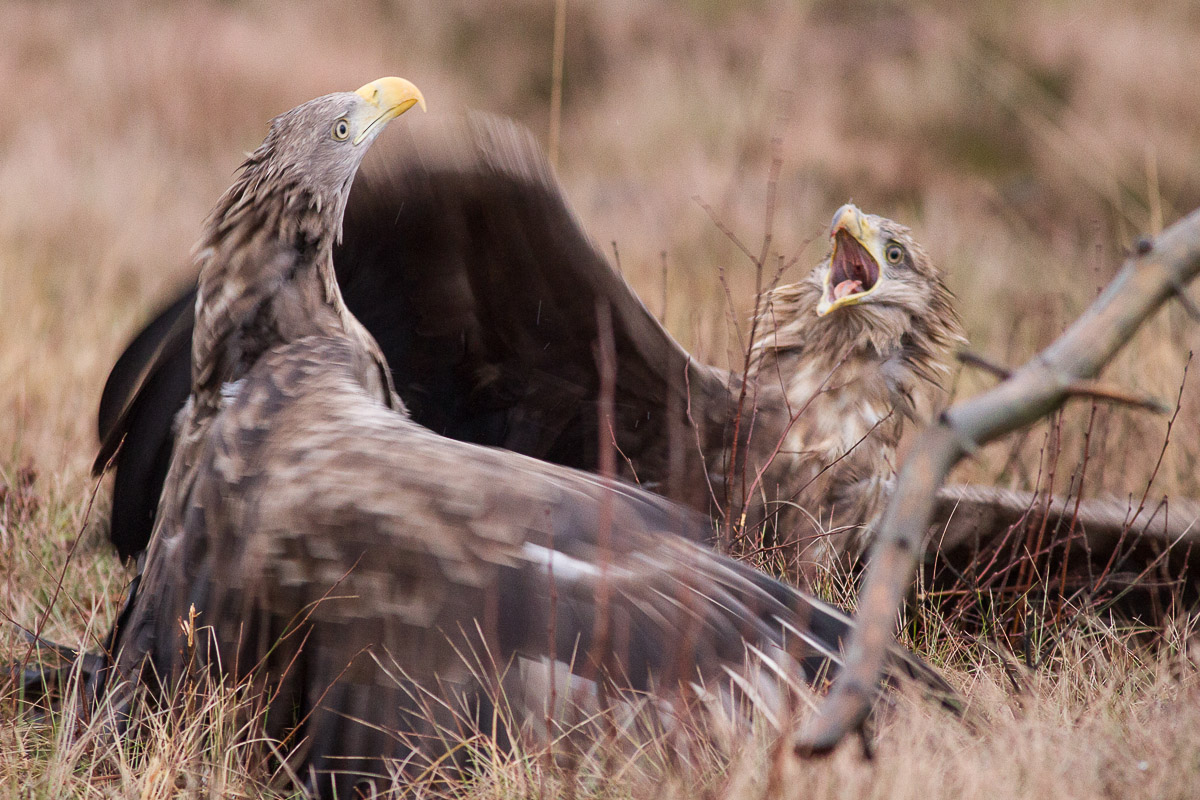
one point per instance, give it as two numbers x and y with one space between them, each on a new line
348 563
854 270
859 348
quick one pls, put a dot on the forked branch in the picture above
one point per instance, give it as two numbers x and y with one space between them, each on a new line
1150 278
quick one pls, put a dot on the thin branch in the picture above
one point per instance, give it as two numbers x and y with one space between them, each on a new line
725 229
556 78
39 628
1096 390
600 655
973 359
1147 281
662 313
1186 301
687 384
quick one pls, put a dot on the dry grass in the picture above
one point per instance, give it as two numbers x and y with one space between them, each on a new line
1026 143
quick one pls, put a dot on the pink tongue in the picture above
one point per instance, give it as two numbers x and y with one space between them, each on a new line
846 287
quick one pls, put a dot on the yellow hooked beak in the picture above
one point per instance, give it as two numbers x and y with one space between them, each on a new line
388 98
854 265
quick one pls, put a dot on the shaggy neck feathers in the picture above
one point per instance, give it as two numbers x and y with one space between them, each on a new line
266 273
911 351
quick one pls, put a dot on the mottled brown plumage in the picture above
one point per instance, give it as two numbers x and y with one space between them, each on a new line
855 372
464 261
346 558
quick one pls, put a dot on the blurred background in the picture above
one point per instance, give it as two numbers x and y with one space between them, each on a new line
1028 144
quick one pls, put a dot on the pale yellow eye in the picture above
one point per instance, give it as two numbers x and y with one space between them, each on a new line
894 253
341 129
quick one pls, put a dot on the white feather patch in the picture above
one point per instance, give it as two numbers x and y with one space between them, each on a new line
564 566
230 390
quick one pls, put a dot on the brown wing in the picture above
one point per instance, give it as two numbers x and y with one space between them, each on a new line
361 559
463 259
489 292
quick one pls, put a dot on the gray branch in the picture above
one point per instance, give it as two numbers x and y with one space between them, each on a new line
1147 281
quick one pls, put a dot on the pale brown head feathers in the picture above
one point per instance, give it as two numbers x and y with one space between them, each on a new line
876 295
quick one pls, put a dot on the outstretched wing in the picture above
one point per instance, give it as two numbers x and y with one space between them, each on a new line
360 565
463 259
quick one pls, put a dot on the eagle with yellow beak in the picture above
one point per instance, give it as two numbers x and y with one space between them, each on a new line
859 349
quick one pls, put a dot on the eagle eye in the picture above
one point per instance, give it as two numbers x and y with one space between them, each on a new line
894 253
341 129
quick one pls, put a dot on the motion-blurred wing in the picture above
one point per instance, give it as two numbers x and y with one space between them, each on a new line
1099 535
145 390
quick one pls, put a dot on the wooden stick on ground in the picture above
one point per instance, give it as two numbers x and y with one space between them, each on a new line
1156 273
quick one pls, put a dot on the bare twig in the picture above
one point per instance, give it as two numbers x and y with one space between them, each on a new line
1153 474
662 313
747 344
973 359
606 362
1186 301
1096 390
1147 282
724 229
58 584
556 78
687 384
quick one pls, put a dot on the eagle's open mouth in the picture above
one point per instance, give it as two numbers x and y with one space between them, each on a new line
852 270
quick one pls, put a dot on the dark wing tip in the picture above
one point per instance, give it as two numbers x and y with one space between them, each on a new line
128 374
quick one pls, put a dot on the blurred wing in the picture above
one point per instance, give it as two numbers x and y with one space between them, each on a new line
159 340
145 390
389 579
463 259
491 289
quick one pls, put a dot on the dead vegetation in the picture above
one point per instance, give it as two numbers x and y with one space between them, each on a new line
1028 146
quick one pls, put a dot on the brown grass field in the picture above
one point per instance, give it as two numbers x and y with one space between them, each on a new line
1028 145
